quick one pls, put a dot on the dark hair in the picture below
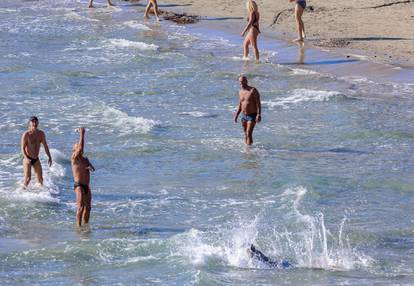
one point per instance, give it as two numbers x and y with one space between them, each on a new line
33 118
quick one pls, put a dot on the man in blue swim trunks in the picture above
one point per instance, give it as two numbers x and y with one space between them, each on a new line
250 107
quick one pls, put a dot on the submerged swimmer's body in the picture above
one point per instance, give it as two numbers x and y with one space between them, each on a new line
258 255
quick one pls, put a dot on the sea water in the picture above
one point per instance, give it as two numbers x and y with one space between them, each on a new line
177 197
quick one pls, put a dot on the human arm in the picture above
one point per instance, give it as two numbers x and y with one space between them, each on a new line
90 167
249 24
24 145
238 112
46 149
81 139
78 147
258 106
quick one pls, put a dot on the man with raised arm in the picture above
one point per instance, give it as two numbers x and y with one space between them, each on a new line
81 168
30 146
250 106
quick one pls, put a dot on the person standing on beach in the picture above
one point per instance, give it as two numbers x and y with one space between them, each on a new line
90 3
30 146
252 30
299 8
152 3
250 106
81 168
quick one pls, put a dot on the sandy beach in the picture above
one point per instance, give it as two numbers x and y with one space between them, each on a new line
379 29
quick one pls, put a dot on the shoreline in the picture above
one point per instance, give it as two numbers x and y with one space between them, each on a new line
316 56
381 32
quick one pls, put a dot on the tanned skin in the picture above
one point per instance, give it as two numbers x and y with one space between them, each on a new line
251 38
152 3
81 168
90 3
30 147
249 103
299 23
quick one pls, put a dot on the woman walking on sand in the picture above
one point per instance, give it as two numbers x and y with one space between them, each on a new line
155 8
252 29
299 8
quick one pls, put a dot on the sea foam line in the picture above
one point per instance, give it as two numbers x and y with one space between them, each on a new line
302 95
122 43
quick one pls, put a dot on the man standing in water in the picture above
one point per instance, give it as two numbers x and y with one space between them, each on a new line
251 107
30 146
81 168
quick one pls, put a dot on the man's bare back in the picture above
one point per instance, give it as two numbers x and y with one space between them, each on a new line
81 168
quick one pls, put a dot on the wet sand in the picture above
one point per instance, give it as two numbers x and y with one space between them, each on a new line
378 29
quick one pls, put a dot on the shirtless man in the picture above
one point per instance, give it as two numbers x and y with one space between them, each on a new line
81 168
251 107
30 145
90 3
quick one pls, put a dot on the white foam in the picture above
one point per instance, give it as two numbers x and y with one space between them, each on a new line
304 240
75 16
12 179
235 58
57 169
313 245
298 71
33 193
6 10
195 113
300 96
126 124
224 144
122 43
136 25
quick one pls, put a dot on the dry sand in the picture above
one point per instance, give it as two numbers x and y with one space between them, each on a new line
384 34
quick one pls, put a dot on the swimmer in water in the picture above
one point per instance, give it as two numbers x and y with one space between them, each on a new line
259 256
81 168
30 144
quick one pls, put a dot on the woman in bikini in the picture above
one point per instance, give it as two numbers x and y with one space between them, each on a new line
152 3
299 8
252 29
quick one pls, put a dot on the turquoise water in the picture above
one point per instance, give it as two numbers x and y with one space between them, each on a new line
177 197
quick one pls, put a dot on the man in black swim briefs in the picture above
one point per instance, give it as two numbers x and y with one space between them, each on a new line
30 147
81 168
250 106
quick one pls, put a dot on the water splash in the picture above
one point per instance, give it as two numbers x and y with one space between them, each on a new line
305 241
